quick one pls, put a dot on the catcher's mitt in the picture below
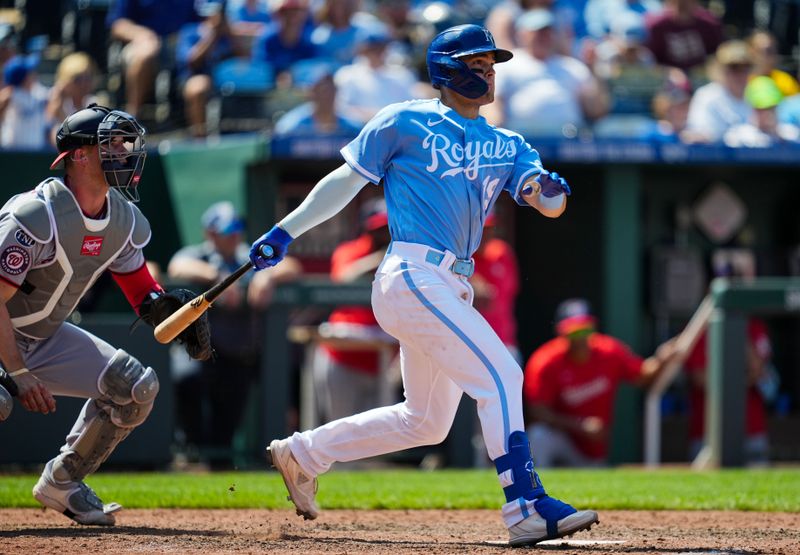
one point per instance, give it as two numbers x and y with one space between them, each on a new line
196 339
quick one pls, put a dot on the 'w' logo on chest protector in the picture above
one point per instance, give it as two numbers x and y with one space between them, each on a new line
469 158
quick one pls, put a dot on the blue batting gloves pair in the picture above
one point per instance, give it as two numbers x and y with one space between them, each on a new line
270 248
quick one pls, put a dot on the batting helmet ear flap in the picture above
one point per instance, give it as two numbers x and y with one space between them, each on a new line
455 74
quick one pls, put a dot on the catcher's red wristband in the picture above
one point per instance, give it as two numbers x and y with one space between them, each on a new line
137 285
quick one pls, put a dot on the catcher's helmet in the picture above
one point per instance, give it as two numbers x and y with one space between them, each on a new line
121 144
446 69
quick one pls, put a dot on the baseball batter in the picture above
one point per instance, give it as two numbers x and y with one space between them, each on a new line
55 241
442 168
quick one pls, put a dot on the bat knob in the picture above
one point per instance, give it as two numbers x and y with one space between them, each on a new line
266 251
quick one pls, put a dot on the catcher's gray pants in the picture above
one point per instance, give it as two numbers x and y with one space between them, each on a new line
69 364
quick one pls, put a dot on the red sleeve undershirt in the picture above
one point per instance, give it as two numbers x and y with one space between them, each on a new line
136 285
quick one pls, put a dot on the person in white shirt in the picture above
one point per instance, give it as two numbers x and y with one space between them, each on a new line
542 91
369 83
719 105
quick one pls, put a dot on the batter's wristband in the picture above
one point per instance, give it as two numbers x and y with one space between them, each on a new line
16 373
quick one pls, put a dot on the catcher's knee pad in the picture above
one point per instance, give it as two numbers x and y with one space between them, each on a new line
515 470
126 381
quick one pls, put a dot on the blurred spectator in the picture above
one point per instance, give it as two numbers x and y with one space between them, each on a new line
541 91
671 110
758 355
766 59
789 110
567 15
623 48
73 89
146 28
8 43
23 105
249 18
210 403
570 385
286 41
683 35
346 380
319 115
370 83
337 33
629 71
200 47
496 285
719 105
600 15
763 129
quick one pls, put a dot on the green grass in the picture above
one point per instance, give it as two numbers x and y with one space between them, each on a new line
749 490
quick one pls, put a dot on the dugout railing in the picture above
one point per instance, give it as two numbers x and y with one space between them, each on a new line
724 313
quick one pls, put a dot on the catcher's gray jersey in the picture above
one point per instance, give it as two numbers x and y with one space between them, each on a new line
53 253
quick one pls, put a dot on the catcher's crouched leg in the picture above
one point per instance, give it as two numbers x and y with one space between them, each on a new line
129 390
8 390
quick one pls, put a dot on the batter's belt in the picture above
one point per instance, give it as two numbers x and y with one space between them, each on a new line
442 259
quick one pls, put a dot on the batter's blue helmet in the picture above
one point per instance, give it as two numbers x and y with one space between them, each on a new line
447 70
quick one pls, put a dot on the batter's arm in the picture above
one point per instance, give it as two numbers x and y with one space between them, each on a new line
331 194
33 395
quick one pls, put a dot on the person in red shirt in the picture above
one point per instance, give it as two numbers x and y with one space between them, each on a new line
346 380
570 385
496 285
683 34
759 353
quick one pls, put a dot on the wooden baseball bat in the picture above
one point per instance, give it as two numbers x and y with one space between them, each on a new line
175 323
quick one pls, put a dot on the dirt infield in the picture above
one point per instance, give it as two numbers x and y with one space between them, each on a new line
378 532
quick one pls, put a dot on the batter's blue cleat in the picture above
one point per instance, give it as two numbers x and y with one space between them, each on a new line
552 519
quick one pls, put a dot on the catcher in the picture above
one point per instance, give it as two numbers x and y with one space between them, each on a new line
55 241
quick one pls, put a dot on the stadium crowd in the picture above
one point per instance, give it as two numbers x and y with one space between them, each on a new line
692 71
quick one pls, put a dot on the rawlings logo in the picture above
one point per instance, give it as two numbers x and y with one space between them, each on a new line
476 154
91 245
14 260
23 238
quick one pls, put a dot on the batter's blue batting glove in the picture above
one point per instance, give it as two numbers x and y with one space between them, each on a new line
553 184
270 248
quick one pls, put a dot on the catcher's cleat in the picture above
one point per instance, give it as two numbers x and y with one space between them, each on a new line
552 519
302 487
75 500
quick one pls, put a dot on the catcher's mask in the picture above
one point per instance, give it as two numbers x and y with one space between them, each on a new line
443 58
120 140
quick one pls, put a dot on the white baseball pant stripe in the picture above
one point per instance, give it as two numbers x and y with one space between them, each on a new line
446 348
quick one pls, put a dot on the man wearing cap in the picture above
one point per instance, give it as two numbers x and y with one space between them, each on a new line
763 129
346 380
211 401
542 91
23 106
720 104
570 385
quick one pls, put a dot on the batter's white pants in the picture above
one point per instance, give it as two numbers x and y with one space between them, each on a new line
446 348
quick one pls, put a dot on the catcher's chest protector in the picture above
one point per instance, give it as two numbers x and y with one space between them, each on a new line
82 254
